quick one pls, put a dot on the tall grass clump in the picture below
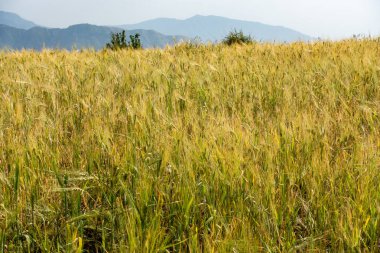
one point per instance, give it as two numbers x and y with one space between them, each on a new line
213 148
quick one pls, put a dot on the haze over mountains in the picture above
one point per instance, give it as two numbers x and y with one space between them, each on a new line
214 28
14 20
74 37
18 33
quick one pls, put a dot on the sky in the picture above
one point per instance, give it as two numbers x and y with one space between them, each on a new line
332 19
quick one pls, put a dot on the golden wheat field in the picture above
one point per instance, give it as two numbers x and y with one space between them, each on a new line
256 148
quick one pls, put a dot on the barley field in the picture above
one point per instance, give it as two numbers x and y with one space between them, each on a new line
193 148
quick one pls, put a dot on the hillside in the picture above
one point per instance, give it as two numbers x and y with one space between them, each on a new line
256 148
18 33
77 36
13 20
214 28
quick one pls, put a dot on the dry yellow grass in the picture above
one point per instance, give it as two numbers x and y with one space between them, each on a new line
222 149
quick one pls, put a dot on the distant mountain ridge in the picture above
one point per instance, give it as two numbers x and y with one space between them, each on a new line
14 20
76 36
18 33
214 28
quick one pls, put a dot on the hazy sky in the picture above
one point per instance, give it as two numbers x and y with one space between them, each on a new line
319 18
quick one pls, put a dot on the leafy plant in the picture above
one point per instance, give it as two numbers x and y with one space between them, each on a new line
135 42
237 37
119 41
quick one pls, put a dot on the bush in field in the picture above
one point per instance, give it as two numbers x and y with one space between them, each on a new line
135 42
237 37
119 41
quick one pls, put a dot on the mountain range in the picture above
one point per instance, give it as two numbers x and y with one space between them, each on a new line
14 20
76 36
214 28
18 33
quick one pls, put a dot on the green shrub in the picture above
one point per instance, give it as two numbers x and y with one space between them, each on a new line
135 42
237 37
119 41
